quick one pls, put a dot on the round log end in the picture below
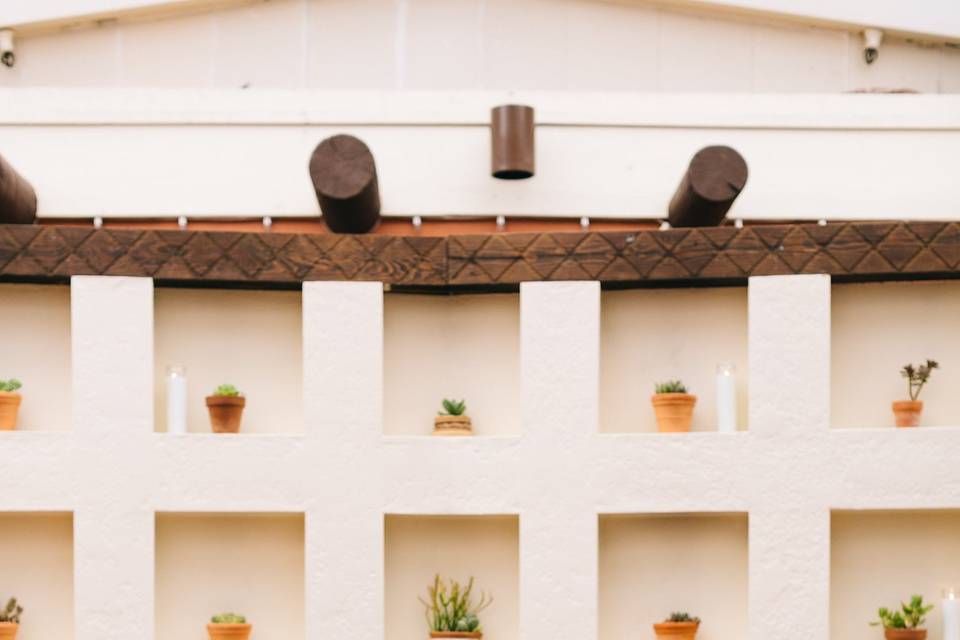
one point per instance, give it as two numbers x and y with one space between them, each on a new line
718 173
344 176
512 133
18 200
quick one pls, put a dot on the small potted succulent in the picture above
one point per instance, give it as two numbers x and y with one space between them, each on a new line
679 626
451 611
452 421
10 620
673 406
226 408
904 624
907 412
228 626
9 404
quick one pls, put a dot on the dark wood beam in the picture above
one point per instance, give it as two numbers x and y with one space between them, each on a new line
344 177
711 183
18 201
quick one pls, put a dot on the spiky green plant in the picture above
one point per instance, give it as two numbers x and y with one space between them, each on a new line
918 376
228 618
682 616
910 616
226 390
453 407
11 613
451 607
10 385
670 386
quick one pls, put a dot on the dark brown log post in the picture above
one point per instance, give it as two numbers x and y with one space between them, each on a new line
714 179
344 176
512 128
18 200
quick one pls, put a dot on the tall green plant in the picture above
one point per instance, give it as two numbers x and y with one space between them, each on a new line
451 607
918 376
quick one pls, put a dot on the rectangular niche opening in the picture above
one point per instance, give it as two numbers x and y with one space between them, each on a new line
879 327
37 552
250 339
456 547
649 336
881 558
36 351
458 347
245 563
652 565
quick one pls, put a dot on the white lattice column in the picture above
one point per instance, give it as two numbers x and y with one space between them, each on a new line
112 325
560 340
343 395
789 360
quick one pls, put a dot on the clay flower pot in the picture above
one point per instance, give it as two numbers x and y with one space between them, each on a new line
905 634
907 414
457 634
674 411
676 630
452 426
225 413
8 630
9 406
221 631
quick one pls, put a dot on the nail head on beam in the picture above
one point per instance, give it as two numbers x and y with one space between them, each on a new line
18 200
512 139
344 176
713 180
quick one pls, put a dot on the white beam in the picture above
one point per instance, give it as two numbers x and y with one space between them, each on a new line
34 15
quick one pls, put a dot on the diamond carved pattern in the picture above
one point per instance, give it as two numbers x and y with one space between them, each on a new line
847 251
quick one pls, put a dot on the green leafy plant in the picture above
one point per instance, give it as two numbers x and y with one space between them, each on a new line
451 607
228 618
910 616
453 407
670 386
10 385
918 376
11 613
682 616
226 390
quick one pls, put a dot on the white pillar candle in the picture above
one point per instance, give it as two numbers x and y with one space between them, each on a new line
176 399
950 611
726 397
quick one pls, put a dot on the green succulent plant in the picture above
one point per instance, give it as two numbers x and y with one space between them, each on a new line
453 407
228 618
910 616
10 385
682 616
670 386
451 607
226 390
11 613
918 376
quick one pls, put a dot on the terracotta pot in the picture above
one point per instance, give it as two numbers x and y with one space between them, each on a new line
9 406
219 631
452 426
674 411
676 630
8 630
456 634
907 412
225 413
905 634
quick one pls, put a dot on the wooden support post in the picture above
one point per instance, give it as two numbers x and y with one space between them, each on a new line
714 179
344 177
18 200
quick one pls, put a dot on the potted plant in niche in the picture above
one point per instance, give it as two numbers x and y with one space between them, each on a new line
451 611
452 421
226 408
907 412
9 404
228 626
679 626
10 620
904 624
673 406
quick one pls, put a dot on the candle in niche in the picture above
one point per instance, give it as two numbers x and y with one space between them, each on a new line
726 397
950 611
176 399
